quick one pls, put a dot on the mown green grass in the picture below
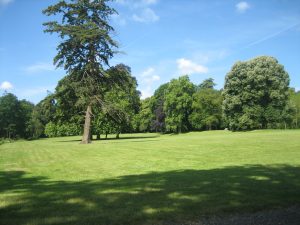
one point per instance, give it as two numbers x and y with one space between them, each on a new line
148 178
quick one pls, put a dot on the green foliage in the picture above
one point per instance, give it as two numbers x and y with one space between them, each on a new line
206 109
207 84
157 107
256 94
86 43
14 116
35 126
143 120
61 130
50 130
177 105
122 102
295 105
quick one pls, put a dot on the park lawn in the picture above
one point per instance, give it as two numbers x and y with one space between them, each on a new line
148 178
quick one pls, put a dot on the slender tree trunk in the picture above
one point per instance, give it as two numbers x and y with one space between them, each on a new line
118 135
98 137
86 138
296 118
106 135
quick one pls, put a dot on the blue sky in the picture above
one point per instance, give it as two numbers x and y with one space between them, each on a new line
161 40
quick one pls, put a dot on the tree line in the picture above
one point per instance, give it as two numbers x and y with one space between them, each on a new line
256 95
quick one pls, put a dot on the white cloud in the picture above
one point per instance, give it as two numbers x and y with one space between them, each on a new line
40 67
186 66
146 93
242 7
149 75
140 10
120 20
147 78
5 2
146 16
6 85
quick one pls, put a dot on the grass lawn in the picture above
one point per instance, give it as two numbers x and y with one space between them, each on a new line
147 178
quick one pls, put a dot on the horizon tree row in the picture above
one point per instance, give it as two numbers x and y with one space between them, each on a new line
255 96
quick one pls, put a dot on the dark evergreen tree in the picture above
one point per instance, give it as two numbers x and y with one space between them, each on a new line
85 48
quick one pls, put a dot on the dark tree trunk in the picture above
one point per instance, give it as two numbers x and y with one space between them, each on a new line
118 135
86 138
98 137
106 135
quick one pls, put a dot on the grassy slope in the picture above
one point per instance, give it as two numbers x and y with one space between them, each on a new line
145 177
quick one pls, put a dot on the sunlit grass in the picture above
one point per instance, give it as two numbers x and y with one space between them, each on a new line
148 177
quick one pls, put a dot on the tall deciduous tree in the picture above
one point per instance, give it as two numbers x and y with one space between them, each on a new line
85 49
256 94
177 105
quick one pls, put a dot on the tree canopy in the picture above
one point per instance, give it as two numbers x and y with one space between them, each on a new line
256 94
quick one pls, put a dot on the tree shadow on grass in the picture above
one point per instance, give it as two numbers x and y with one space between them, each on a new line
147 198
115 139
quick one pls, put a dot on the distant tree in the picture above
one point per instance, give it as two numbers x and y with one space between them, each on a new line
143 120
85 48
177 105
35 127
256 94
9 115
157 107
207 84
295 104
26 110
206 109
14 116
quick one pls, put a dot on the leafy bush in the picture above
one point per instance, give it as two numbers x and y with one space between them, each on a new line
51 130
60 130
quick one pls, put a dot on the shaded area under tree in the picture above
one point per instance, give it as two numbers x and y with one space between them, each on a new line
147 198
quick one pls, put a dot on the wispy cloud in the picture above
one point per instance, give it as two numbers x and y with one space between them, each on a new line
39 67
186 66
146 16
119 19
5 85
141 10
273 35
242 7
5 2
